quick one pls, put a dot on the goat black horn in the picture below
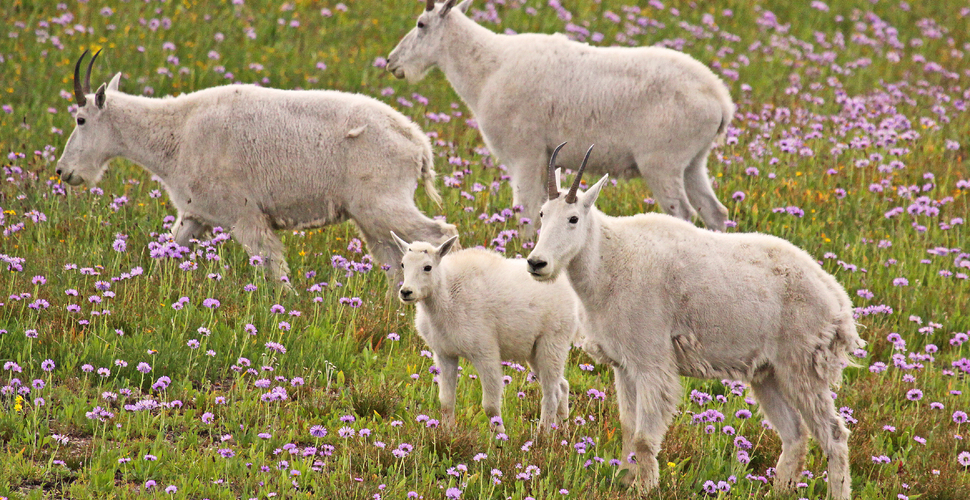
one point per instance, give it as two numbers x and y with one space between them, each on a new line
78 89
87 76
571 196
551 176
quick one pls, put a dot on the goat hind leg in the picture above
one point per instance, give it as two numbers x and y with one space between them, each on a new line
819 413
397 213
185 229
563 410
667 186
528 192
701 194
790 427
386 252
490 375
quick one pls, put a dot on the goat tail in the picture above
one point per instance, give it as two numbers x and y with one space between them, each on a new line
424 157
832 358
427 176
727 114
427 173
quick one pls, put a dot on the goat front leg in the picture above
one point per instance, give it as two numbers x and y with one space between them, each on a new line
658 390
447 382
626 395
548 361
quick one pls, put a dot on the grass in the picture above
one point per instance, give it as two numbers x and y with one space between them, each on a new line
850 141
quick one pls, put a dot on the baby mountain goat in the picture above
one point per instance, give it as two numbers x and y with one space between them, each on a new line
654 112
256 160
665 298
480 306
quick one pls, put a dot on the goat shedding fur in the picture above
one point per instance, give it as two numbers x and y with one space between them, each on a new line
665 299
256 160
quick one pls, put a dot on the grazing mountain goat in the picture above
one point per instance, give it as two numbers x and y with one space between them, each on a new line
478 305
654 111
256 159
665 298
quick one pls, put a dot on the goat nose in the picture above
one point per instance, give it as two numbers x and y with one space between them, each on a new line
536 264
405 293
58 171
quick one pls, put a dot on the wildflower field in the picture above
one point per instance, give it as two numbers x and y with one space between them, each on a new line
132 367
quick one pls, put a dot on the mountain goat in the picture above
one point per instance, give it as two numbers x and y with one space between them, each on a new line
256 160
654 111
478 305
665 298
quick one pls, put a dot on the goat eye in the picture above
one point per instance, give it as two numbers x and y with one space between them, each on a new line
540 215
427 269
402 265
573 219
421 24
80 121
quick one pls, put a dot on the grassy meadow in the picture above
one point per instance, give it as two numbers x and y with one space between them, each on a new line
129 371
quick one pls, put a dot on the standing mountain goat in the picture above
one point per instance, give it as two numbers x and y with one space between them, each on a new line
654 112
665 298
475 304
256 159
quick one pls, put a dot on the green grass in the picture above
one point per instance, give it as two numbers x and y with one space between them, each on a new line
809 71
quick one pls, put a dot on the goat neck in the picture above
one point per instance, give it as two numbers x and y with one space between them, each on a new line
585 270
149 130
472 53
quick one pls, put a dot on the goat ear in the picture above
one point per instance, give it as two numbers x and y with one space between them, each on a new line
464 6
115 80
589 197
99 97
446 246
403 245
559 179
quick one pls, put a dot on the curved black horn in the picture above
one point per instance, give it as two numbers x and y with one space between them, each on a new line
87 77
429 5
551 175
571 195
78 90
447 7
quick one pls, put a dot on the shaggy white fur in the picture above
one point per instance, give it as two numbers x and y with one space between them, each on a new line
256 160
651 111
665 299
480 306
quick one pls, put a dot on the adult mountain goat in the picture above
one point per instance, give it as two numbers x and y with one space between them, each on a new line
256 160
480 306
665 298
653 111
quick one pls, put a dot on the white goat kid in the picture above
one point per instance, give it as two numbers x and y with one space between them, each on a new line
480 306
256 160
653 111
665 298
